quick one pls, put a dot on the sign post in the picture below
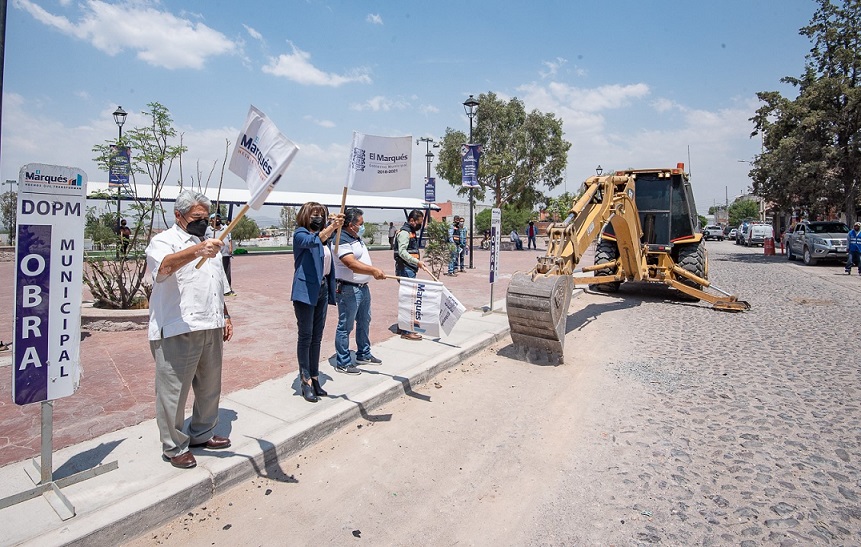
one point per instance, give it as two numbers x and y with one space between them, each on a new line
495 226
49 263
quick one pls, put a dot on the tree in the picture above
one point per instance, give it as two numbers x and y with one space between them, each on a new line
811 157
521 153
121 283
437 252
245 229
515 217
741 210
558 208
288 219
9 213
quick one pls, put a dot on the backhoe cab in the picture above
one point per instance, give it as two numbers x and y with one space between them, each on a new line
645 224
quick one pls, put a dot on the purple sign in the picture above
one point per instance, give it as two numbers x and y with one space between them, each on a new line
120 166
33 265
470 154
430 189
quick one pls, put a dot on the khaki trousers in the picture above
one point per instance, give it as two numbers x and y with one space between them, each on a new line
190 360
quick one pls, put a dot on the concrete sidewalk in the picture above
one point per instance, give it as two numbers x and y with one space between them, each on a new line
266 423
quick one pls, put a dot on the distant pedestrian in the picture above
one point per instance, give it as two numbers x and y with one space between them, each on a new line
854 248
226 251
457 243
313 290
531 232
392 233
353 271
515 238
125 236
188 325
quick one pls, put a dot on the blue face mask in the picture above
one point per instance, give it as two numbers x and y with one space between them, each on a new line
361 230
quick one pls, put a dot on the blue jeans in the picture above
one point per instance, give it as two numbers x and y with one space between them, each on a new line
311 321
854 257
354 309
530 242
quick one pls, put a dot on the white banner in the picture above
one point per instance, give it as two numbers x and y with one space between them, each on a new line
49 263
379 164
426 306
418 306
260 156
450 310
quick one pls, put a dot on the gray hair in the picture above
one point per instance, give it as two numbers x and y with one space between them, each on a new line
188 199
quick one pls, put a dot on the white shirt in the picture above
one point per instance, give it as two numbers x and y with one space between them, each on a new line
356 247
188 300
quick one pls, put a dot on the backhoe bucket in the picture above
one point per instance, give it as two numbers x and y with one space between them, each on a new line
537 309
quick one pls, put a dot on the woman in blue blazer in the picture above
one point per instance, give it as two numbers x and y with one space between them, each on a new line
313 289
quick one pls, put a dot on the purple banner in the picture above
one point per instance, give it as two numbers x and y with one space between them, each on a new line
32 306
470 154
121 157
430 189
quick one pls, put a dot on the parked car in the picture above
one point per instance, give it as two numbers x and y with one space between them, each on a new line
756 234
733 233
815 241
713 231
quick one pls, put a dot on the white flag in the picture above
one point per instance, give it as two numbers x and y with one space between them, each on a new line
379 164
450 310
418 306
260 156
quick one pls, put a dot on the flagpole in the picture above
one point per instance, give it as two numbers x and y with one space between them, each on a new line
414 279
227 230
343 204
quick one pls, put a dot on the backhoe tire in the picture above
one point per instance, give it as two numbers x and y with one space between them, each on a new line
607 251
692 259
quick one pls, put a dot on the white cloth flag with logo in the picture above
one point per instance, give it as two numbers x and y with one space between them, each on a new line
379 164
426 306
260 156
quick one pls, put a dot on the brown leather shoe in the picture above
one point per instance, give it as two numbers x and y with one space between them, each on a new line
215 443
183 461
411 336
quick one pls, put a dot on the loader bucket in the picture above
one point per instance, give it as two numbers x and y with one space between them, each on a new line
537 309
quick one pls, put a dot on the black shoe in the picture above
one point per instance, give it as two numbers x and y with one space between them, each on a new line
348 370
369 360
308 393
318 391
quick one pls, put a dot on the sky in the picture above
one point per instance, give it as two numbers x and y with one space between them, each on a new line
636 83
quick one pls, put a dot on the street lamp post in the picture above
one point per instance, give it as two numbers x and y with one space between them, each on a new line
469 106
428 142
119 119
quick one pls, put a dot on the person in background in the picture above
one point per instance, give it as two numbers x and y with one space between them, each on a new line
464 250
854 248
313 290
515 238
392 233
531 232
188 325
407 257
353 271
215 231
457 243
125 236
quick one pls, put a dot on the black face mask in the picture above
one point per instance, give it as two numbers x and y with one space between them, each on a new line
316 223
197 227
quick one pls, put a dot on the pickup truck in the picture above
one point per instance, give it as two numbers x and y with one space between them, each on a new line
815 241
713 232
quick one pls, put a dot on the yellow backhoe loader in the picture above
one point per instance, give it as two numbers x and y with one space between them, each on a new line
645 224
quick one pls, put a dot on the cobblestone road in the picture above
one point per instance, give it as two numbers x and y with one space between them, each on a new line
725 429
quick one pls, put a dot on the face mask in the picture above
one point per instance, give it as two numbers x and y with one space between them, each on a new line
361 230
316 224
197 227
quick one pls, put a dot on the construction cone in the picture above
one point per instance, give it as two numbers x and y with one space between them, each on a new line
768 246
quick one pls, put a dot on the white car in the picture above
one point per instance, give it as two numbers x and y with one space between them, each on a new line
713 231
732 233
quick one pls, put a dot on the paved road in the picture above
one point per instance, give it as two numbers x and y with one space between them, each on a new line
668 424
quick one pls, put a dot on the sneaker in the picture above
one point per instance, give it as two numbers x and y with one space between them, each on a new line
462 270
451 274
369 360
231 293
348 370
